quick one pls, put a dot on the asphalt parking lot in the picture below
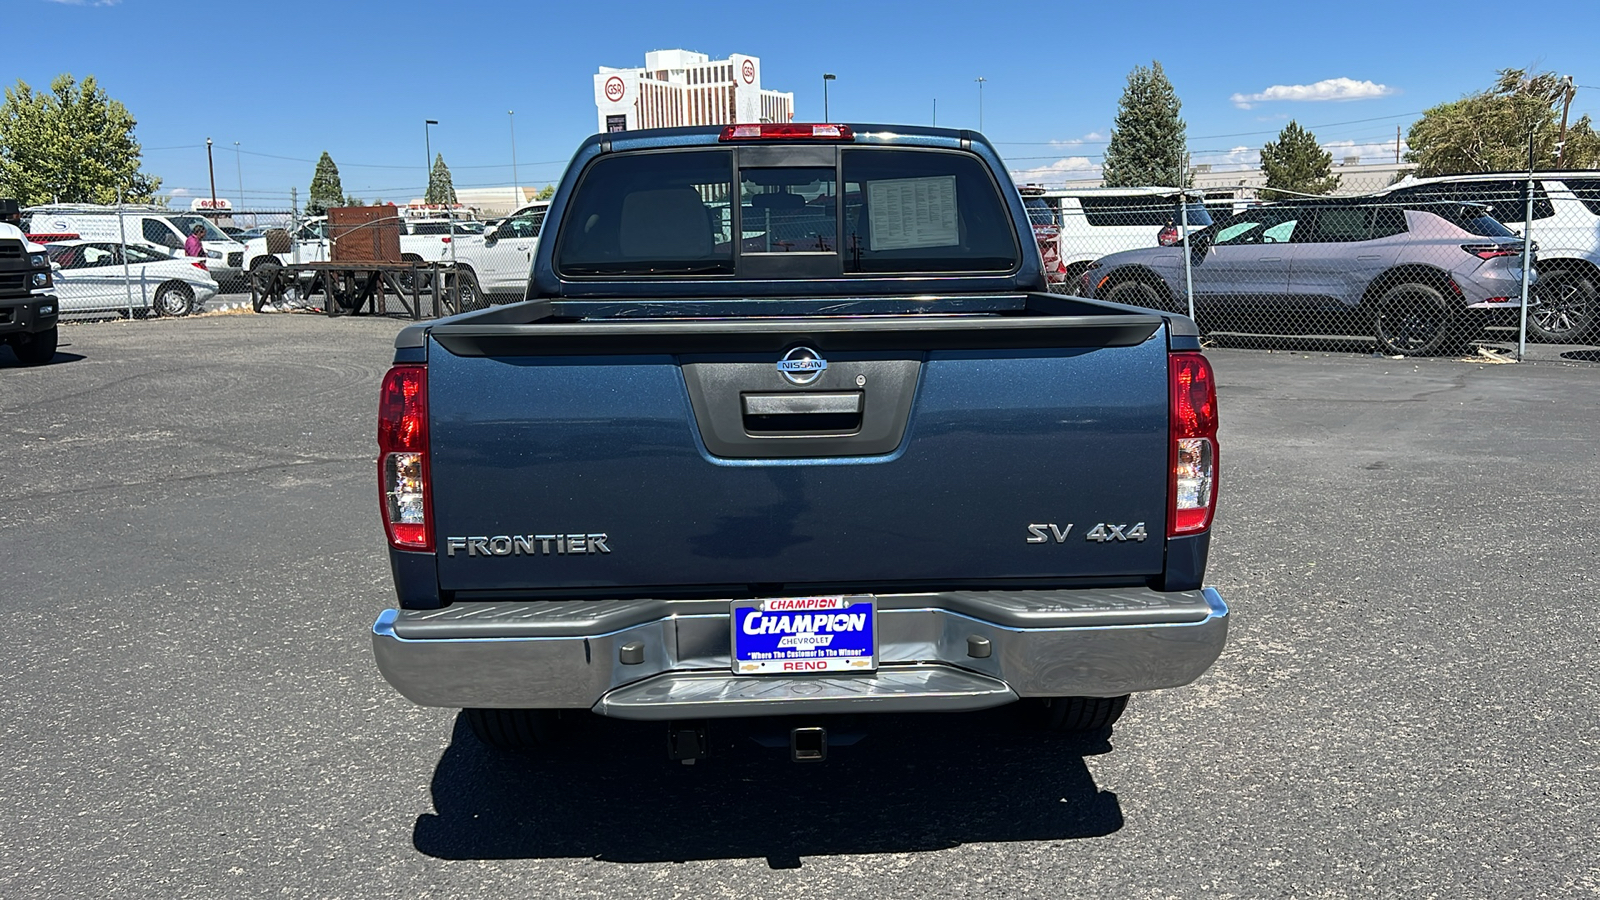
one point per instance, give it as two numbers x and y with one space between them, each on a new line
1407 705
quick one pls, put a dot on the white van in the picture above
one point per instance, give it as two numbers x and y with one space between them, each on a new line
1096 221
141 225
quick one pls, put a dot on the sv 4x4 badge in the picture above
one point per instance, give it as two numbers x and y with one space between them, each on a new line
1102 533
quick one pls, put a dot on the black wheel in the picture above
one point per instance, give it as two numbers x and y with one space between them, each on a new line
1567 307
515 730
1135 293
173 299
1413 320
37 348
469 295
1075 715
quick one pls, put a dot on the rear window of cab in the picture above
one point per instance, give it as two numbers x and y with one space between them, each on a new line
764 213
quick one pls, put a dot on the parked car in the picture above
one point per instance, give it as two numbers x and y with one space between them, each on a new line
1566 225
1420 277
498 261
28 308
104 276
149 225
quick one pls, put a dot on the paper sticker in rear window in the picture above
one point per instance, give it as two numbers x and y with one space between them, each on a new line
907 213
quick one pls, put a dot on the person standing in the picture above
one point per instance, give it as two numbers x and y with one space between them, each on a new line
192 245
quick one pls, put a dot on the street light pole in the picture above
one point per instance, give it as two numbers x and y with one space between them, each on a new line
427 145
516 189
238 167
980 80
210 167
826 77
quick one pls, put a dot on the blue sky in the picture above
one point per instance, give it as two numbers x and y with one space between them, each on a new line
289 79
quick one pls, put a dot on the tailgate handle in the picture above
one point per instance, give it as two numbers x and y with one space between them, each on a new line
798 404
797 414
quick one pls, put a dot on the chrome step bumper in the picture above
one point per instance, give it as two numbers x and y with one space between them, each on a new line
660 659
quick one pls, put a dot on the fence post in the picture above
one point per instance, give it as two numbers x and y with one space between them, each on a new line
1527 248
1188 275
127 278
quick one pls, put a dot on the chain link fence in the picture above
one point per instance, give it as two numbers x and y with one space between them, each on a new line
1451 265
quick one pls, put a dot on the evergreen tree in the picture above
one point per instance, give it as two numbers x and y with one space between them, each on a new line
1295 164
73 145
1147 137
440 190
546 192
1488 131
326 191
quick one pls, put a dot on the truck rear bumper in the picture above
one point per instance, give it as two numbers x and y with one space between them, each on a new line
570 654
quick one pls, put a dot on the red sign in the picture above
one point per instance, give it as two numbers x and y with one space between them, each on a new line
615 89
749 70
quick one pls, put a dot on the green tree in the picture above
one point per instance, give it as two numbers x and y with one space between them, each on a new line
546 192
440 190
1147 137
71 145
326 191
1488 131
1295 164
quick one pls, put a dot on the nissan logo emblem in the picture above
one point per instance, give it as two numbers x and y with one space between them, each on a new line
802 366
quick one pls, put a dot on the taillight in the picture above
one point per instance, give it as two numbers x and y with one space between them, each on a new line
1492 251
200 264
403 458
1194 443
790 131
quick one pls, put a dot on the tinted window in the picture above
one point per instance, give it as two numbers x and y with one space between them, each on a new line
1040 211
1504 199
924 211
158 232
138 254
788 210
1345 224
650 214
186 224
1145 211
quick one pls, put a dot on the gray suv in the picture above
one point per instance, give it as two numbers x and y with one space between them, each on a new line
1420 277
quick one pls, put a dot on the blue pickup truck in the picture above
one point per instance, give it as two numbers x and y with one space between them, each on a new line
788 424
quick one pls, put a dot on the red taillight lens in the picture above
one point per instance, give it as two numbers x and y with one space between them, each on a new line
1491 251
200 264
403 474
1194 443
790 131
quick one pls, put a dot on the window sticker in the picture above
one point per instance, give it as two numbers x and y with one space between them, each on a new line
913 212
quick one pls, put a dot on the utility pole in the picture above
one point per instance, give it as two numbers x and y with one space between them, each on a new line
936 111
980 79
213 170
826 77
516 189
1397 145
1566 104
238 167
427 146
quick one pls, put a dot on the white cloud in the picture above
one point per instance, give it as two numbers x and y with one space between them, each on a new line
1071 168
177 192
1236 159
1327 89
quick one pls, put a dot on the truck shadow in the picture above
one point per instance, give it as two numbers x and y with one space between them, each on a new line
913 783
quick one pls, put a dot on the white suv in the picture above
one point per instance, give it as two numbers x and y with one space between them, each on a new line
1566 226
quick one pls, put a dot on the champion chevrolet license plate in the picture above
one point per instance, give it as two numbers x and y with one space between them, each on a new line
805 634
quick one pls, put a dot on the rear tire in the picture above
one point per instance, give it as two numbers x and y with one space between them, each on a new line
1135 293
514 730
1568 301
263 276
1413 320
469 295
37 348
173 299
1076 715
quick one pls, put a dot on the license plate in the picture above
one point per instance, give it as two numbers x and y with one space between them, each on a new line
790 635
